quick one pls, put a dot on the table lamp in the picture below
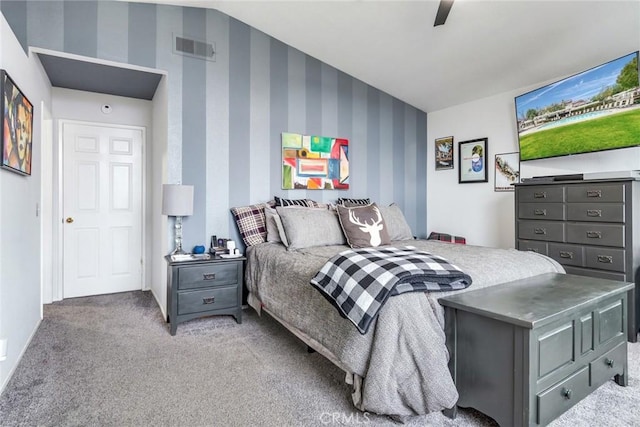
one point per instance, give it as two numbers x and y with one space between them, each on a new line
177 200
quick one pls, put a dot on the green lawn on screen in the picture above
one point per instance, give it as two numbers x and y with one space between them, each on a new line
602 133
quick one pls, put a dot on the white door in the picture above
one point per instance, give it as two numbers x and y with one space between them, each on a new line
102 205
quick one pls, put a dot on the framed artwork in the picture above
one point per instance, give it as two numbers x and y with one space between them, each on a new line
17 127
314 162
444 153
507 171
472 161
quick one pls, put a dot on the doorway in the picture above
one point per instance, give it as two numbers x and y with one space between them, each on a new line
102 205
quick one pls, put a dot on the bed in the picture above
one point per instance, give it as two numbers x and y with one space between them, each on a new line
400 366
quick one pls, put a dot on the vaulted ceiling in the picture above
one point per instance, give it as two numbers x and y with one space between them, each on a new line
484 48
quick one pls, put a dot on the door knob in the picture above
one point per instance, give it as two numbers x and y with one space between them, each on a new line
69 220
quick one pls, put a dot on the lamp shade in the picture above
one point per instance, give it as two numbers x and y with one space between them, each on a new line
177 200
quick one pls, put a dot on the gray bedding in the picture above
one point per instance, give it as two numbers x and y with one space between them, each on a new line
399 367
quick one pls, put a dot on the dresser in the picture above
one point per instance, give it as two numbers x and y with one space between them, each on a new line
590 227
526 351
201 288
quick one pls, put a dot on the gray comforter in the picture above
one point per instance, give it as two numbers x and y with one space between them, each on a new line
400 366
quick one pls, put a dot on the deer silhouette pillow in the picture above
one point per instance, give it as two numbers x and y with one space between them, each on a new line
363 226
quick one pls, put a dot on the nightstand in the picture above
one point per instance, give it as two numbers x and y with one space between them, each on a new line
199 288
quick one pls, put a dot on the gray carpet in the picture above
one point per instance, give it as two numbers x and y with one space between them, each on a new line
110 361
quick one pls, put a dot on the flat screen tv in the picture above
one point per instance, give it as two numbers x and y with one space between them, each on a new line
598 109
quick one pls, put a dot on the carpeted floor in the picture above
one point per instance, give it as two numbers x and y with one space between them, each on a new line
110 361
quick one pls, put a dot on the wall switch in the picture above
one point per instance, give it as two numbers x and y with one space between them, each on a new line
3 349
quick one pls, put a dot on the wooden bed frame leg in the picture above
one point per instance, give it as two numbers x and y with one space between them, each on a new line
310 350
451 412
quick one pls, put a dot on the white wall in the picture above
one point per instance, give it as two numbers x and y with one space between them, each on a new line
20 200
70 104
474 210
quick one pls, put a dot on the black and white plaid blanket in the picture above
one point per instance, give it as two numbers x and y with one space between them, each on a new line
358 282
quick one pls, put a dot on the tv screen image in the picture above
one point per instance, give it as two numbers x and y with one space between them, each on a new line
598 109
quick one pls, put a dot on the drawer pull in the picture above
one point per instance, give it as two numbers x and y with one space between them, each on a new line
566 392
540 195
594 193
565 254
542 212
209 300
609 362
209 276
594 234
540 230
605 259
594 212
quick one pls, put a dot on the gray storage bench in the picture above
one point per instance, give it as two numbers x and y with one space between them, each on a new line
526 351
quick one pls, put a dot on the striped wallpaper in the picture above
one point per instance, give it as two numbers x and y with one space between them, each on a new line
225 117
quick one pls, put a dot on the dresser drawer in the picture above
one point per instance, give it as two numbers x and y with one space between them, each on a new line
567 254
605 258
609 364
541 230
596 193
548 193
554 211
207 275
207 299
599 212
559 398
533 246
596 234
620 277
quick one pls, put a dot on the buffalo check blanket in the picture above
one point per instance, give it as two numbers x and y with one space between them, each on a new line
358 282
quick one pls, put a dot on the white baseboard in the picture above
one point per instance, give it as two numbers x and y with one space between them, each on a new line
15 366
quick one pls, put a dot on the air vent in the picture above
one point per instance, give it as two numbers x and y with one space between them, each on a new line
194 48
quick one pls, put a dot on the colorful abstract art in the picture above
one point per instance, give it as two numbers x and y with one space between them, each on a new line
314 162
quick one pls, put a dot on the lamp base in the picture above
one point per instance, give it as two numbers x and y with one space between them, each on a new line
178 251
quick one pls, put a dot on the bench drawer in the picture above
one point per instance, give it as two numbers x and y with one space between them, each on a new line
559 398
608 365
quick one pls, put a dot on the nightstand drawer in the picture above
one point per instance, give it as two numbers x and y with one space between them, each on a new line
595 193
207 299
208 275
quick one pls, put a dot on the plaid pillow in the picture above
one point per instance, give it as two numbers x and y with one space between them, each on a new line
446 238
307 203
251 223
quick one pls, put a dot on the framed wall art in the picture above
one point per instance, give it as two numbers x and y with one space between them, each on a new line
444 153
314 162
472 161
507 171
17 127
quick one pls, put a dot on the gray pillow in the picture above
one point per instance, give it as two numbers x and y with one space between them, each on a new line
275 231
397 225
363 226
308 227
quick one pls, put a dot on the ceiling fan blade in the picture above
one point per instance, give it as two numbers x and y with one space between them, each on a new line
443 11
